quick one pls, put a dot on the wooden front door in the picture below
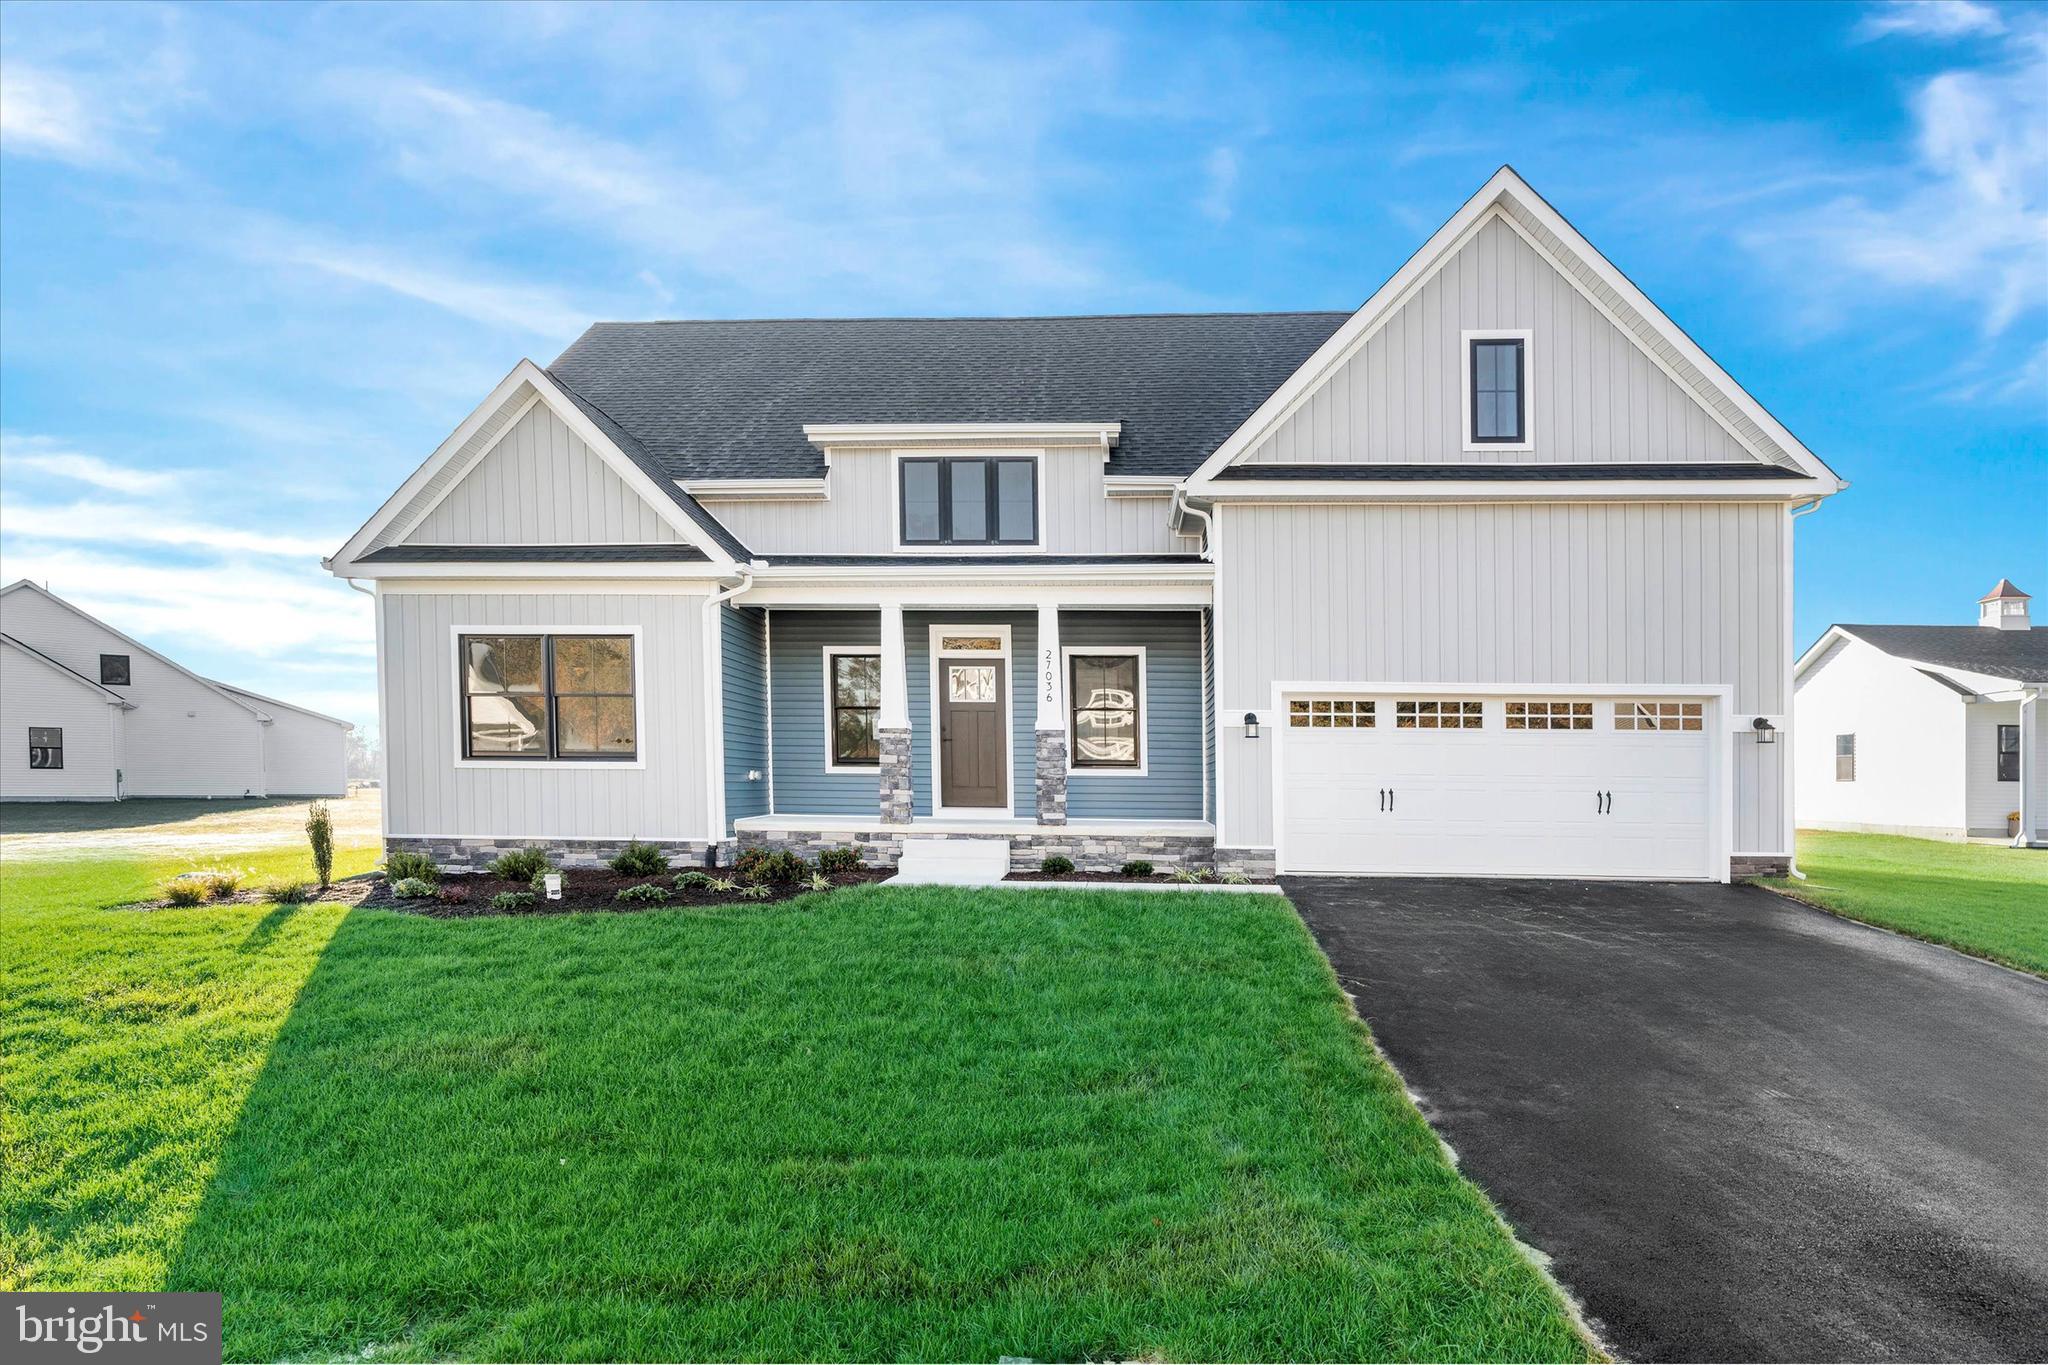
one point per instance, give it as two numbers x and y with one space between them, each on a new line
973 768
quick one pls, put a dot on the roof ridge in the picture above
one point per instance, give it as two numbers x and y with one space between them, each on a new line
976 317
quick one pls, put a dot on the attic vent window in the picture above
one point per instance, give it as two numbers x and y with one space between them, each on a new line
113 670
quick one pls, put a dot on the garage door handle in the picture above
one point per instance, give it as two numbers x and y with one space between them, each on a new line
1383 798
1390 798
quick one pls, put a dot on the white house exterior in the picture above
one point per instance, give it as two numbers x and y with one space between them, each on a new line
1931 731
90 714
1490 577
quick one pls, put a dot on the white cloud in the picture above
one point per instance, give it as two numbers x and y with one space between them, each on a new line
43 114
1220 189
499 303
89 101
139 524
48 455
1931 19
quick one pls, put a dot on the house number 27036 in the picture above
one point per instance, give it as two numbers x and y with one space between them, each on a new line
1050 677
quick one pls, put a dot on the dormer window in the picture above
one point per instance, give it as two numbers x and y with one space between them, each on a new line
1497 406
968 501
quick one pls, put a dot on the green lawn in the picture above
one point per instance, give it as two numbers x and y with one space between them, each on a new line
1982 898
886 1123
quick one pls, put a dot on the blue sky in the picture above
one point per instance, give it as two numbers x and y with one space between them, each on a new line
256 262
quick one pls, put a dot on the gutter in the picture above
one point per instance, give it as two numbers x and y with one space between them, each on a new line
714 705
1791 679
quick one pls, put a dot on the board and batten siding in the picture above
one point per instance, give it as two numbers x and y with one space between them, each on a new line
1609 594
743 637
430 795
541 485
859 517
1596 395
1170 713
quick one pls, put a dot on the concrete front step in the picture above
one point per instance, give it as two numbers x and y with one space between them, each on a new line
953 860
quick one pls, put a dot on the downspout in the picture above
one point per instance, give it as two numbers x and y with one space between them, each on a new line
1791 662
1182 507
714 716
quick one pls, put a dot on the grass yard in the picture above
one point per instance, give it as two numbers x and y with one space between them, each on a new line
887 1123
1984 899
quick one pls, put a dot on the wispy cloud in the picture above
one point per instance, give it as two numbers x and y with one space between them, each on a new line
129 523
98 109
48 455
1219 193
1931 19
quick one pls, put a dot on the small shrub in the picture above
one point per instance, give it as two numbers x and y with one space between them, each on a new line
405 863
756 892
820 882
539 883
520 865
723 885
512 900
694 881
839 862
290 891
1191 874
1137 867
212 883
640 860
412 888
186 891
747 867
1058 865
644 892
320 835
453 895
760 865
1234 878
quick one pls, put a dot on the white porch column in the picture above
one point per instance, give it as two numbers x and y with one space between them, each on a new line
1052 719
892 723
2030 811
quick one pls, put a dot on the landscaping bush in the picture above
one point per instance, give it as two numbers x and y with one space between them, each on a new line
184 890
412 888
520 865
1234 878
453 895
209 883
756 892
1137 867
694 881
644 892
839 862
640 860
820 882
405 863
1191 874
759 865
320 835
288 891
1058 865
723 885
512 900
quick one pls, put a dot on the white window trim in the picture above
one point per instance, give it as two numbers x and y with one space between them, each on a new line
1852 756
896 459
935 661
1465 340
1067 653
832 652
584 765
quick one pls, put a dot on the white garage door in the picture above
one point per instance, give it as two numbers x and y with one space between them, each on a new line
1446 785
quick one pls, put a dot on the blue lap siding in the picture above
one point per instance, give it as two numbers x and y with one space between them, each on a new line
743 637
1170 712
797 641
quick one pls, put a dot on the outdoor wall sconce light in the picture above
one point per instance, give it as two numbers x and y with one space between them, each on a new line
553 882
1251 725
1766 733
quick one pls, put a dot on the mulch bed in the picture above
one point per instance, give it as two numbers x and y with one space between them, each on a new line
592 889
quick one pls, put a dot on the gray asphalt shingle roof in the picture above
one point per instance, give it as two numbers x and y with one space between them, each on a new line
2018 654
408 553
1559 470
709 400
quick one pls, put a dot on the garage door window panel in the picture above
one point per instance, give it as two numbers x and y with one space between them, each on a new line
1550 715
1331 713
1439 715
1660 715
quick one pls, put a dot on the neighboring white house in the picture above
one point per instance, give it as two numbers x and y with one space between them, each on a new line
1926 730
90 714
1489 577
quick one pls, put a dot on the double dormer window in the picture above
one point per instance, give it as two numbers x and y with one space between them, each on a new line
968 500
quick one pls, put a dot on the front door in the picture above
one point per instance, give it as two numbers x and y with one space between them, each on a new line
973 770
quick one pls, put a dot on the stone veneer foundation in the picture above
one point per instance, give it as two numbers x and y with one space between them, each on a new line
1256 863
897 803
474 855
1052 777
1766 865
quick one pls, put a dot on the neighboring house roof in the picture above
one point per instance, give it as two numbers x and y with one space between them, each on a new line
2005 589
2018 654
24 585
408 553
1503 473
289 706
1945 680
106 694
707 400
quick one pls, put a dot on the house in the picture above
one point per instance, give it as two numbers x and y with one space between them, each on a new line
1492 576
1926 730
90 714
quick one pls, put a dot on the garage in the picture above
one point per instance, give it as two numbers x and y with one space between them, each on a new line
1466 784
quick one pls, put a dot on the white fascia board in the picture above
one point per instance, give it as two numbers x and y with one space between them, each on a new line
902 435
1139 485
983 594
999 573
500 570
1388 299
1480 491
756 490
23 584
1818 648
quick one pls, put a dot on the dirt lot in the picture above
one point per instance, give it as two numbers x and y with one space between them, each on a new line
153 826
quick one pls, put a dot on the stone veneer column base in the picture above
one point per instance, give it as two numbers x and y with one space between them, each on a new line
1052 777
1256 863
474 855
895 790
1767 865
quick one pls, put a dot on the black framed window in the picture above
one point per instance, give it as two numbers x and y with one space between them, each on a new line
2008 753
856 701
45 746
954 500
1845 758
1499 412
548 696
113 670
1103 700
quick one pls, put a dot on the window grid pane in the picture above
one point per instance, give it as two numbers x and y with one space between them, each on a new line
856 703
1497 390
540 697
1439 715
1102 689
1659 715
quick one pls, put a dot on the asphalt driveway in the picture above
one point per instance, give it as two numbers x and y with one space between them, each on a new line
1743 1129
